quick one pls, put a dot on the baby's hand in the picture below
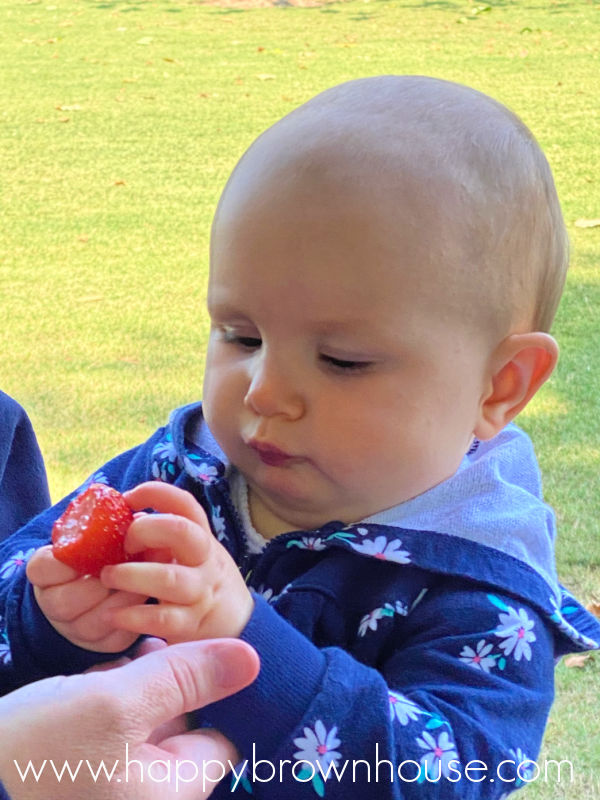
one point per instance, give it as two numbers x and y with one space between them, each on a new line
200 591
76 606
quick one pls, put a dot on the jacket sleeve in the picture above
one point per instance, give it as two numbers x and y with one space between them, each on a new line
456 705
23 483
30 648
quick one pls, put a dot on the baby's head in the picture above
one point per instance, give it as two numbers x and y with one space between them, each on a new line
385 264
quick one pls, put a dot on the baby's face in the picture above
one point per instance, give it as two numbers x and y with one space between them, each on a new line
337 380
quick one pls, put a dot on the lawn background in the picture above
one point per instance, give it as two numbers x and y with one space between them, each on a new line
119 124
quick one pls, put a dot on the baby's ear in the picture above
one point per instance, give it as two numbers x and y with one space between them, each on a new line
520 365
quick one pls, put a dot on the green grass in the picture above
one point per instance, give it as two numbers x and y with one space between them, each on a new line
119 124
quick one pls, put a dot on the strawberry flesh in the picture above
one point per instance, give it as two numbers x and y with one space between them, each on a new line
91 532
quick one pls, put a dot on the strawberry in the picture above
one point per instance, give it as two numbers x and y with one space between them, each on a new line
91 531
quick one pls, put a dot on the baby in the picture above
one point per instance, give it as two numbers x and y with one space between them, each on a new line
350 497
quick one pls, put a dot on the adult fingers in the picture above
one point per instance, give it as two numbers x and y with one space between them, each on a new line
169 682
202 759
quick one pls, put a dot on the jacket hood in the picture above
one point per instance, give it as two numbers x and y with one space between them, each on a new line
494 499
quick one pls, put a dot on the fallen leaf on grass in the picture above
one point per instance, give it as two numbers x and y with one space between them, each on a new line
587 223
594 607
265 77
577 660
68 108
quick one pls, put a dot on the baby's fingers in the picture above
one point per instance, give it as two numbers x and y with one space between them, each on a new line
96 624
44 570
167 499
169 583
171 623
67 601
188 543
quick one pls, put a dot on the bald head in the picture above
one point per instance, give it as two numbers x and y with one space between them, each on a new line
453 182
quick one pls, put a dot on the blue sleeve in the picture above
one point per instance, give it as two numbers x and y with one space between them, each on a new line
30 648
3 793
23 483
465 685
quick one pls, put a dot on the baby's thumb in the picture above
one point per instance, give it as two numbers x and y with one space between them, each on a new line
183 677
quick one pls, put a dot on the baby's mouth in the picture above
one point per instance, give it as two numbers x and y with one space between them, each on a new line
270 454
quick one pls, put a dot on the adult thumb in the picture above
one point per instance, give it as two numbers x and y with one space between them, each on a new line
166 683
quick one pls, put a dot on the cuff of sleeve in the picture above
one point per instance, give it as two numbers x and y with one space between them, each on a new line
291 673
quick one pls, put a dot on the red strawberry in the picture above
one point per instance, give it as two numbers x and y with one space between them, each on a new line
90 533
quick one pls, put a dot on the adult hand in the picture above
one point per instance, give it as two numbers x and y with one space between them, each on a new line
128 717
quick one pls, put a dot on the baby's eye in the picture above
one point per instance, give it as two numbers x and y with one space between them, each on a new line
247 342
344 365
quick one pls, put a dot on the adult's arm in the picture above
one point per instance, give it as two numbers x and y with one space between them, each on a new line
127 718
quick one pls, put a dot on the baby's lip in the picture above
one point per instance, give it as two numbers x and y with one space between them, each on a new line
270 453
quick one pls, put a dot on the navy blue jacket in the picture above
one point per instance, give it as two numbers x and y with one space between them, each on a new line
398 654
23 483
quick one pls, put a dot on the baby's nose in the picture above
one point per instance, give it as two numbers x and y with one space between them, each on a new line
273 389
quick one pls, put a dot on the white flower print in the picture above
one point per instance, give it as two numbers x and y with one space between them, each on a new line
265 591
369 621
5 656
269 595
479 658
566 627
312 543
402 709
96 477
10 567
205 472
165 450
516 630
164 459
439 753
318 747
524 767
383 549
400 608
218 524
